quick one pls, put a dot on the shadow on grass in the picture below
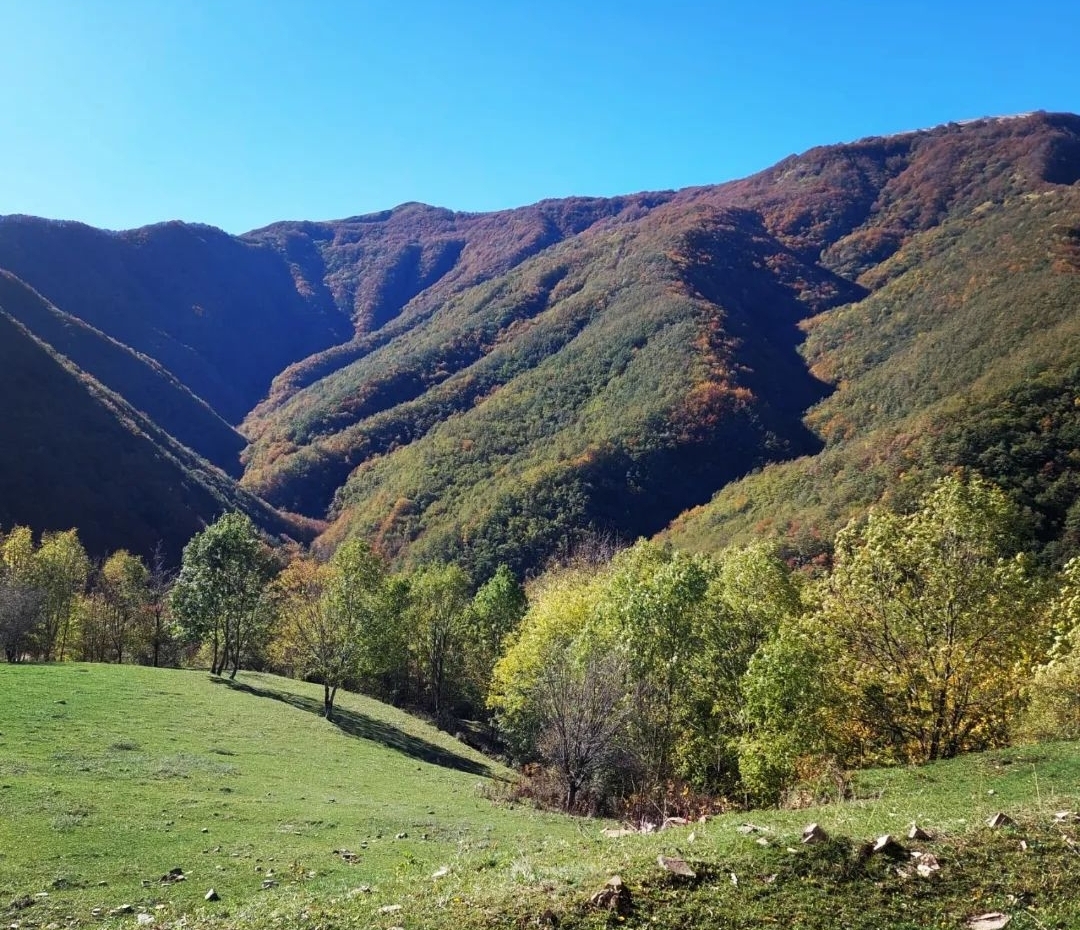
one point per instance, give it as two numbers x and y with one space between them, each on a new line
365 727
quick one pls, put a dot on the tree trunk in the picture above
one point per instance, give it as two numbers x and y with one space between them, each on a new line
328 701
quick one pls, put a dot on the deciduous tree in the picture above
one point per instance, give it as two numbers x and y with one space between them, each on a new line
933 612
220 594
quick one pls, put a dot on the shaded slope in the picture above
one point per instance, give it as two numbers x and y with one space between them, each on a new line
74 454
141 381
222 315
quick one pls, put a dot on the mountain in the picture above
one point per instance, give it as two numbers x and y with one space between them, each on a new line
76 454
766 356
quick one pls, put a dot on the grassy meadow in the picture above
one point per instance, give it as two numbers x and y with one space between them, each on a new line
111 776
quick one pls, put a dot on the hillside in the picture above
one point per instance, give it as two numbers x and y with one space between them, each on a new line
223 316
77 454
112 777
965 355
141 381
630 372
766 356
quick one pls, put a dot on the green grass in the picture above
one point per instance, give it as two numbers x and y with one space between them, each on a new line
109 777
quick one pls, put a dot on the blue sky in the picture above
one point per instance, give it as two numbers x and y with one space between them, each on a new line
238 113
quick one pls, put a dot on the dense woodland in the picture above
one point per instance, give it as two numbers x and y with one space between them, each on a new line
645 680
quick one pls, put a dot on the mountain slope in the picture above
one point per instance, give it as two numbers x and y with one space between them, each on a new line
493 387
630 371
968 356
222 315
75 454
138 379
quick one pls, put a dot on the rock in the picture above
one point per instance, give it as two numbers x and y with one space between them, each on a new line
347 855
676 866
617 832
918 833
886 846
205 830
211 895
122 909
402 836
173 876
814 834
390 908
926 864
995 920
144 919
670 822
359 889
614 896
268 883
999 820
747 828
761 841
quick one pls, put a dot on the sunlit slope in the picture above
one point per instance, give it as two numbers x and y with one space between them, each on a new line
112 776
605 385
967 355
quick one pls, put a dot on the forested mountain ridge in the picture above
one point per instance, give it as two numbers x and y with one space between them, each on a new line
77 454
489 387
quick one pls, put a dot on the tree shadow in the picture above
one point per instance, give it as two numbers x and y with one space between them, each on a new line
364 727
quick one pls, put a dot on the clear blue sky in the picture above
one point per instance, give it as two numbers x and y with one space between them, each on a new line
242 112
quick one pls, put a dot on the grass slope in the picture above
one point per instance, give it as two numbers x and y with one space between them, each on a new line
111 776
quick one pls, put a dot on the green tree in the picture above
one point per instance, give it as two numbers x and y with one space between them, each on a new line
933 613
562 604
220 595
124 587
439 598
61 569
751 593
651 604
1054 710
331 617
496 610
20 599
561 690
790 704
